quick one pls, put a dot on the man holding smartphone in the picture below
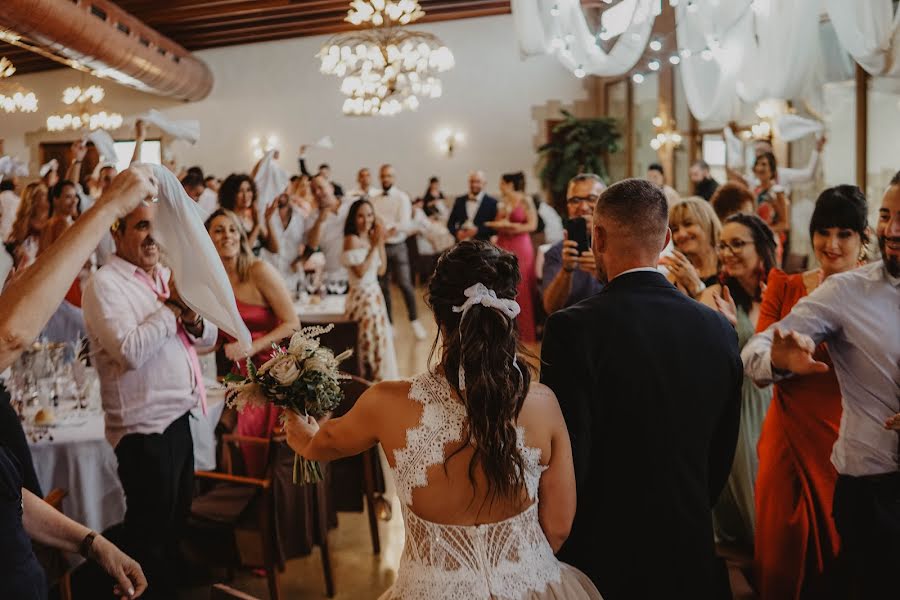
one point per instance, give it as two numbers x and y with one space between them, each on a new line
569 273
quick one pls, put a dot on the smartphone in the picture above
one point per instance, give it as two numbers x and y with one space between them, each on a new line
579 233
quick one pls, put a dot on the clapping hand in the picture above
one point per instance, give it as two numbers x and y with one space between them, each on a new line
685 274
377 233
893 423
130 580
300 430
234 352
726 305
792 351
270 210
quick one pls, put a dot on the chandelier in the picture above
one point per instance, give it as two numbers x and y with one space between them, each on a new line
14 97
384 67
85 113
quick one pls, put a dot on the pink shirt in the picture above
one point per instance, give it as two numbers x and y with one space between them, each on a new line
146 379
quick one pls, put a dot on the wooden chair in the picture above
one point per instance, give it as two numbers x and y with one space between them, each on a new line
234 523
345 335
367 464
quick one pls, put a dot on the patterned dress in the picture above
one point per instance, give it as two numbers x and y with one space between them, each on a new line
366 306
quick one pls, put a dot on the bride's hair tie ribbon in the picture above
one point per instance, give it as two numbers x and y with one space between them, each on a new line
480 294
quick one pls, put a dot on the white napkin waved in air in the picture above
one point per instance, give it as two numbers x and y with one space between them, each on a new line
104 144
791 127
196 267
326 143
11 166
270 181
53 165
188 129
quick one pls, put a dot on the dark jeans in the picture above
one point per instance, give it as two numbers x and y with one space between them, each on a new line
398 266
157 474
867 515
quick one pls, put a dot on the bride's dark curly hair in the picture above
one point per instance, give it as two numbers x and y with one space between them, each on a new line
488 342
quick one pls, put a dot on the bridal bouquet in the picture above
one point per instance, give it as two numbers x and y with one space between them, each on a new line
302 377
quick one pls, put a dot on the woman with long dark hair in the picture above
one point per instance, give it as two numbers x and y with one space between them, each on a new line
475 447
772 204
516 220
747 252
797 543
364 257
238 195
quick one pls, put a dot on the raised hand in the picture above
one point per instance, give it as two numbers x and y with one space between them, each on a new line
79 150
140 130
792 351
270 210
130 187
684 272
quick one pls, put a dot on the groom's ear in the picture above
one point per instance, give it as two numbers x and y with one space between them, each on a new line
599 239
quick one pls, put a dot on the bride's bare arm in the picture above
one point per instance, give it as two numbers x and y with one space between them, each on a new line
343 436
556 493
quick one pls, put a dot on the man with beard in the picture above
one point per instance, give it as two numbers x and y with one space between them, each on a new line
856 313
144 337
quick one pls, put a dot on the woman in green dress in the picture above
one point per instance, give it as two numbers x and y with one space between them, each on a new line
747 254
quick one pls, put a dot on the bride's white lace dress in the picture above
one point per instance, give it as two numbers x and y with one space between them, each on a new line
507 560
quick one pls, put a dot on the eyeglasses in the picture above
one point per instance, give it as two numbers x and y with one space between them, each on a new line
736 246
582 199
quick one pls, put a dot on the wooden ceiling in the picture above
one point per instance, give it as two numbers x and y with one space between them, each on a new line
199 24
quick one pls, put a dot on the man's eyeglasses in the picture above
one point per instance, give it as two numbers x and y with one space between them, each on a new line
736 246
582 199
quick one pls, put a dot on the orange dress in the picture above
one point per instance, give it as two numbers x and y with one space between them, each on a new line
796 540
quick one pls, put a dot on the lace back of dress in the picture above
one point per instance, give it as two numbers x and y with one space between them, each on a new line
500 560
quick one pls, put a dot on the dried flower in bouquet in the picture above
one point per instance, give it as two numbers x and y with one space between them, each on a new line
303 377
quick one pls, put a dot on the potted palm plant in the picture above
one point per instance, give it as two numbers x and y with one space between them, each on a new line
576 146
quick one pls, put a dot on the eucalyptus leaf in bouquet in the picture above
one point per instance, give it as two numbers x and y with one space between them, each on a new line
304 377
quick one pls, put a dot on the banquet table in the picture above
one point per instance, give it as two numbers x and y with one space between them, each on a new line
328 309
74 455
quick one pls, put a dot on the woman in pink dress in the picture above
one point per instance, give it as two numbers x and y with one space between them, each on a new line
265 305
516 220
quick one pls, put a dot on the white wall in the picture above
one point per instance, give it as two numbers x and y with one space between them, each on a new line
276 88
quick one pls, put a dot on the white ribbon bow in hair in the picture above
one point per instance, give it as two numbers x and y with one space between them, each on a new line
479 294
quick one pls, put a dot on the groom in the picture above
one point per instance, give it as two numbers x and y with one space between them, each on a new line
649 382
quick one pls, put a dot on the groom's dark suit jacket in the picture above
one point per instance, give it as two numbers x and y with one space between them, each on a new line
649 382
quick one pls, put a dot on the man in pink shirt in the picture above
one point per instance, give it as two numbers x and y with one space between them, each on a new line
144 338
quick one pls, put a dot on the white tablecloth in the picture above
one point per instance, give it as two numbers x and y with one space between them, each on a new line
330 308
81 461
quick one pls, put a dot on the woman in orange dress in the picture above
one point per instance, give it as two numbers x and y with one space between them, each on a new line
796 540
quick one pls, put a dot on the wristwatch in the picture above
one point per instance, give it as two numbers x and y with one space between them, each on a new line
84 549
700 290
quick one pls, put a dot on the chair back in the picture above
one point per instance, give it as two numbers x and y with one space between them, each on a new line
353 387
220 591
345 335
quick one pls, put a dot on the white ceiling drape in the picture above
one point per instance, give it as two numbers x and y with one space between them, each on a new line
568 36
870 31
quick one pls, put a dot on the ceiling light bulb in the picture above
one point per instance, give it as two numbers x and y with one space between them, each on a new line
579 72
656 45
657 121
674 59
653 65
638 78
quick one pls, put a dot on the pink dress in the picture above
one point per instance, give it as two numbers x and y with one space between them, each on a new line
520 245
255 421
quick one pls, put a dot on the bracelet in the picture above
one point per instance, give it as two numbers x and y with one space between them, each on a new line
699 291
84 549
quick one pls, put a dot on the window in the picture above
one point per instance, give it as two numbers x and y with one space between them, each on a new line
151 152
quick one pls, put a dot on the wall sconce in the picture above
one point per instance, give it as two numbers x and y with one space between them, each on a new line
447 139
259 150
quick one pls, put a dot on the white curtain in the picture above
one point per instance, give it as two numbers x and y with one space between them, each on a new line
868 29
710 84
781 50
538 29
199 275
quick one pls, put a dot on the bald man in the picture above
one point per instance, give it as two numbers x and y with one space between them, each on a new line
471 211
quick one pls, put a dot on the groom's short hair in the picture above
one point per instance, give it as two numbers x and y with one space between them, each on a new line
638 208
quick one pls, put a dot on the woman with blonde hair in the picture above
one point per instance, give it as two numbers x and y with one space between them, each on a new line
265 305
694 262
29 223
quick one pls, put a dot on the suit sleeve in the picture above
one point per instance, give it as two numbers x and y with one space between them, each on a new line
724 439
303 170
563 372
453 221
485 232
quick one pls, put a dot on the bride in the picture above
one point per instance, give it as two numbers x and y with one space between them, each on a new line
481 456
